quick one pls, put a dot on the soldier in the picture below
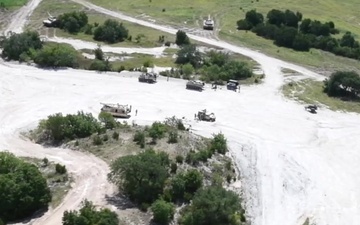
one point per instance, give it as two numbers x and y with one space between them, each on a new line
136 112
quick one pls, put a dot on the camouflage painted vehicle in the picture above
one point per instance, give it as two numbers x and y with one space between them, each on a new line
203 115
116 110
195 85
148 78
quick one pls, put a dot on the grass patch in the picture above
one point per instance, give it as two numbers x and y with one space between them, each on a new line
147 37
345 17
59 183
13 4
311 92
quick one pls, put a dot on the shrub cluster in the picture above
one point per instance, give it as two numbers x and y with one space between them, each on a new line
343 84
23 190
288 29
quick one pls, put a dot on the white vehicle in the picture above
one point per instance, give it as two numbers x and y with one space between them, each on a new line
208 24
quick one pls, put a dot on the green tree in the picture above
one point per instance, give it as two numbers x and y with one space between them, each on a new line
291 19
60 169
213 206
254 18
237 70
89 215
187 69
216 58
57 55
343 84
108 120
276 17
243 24
99 65
301 43
99 54
59 127
111 31
141 177
347 40
305 26
218 144
186 182
72 22
182 38
285 36
23 190
189 54
157 131
163 212
18 44
139 138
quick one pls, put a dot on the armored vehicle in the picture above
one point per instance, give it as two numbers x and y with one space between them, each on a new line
116 110
203 115
148 78
208 24
51 21
232 85
311 108
195 85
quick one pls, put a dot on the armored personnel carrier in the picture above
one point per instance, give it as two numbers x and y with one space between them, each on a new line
203 115
147 78
311 108
195 85
208 24
116 110
51 21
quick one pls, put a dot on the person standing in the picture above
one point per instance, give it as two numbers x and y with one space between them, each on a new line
136 111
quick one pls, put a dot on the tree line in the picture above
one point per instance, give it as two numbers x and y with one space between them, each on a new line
344 84
289 29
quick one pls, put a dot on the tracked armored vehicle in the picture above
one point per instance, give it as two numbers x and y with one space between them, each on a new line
116 110
195 85
148 78
203 115
51 21
208 24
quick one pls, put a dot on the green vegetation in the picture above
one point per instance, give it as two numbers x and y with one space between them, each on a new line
163 212
285 29
212 206
182 38
89 215
229 12
57 55
343 84
23 190
142 177
212 66
312 92
72 22
155 180
11 4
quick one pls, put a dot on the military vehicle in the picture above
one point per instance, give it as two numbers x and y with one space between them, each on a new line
232 85
116 110
195 85
311 108
148 78
208 24
51 21
203 115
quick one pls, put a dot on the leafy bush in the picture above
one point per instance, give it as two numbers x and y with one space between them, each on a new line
105 137
111 31
99 65
139 138
163 212
115 135
193 158
175 123
141 177
88 215
23 190
57 55
60 169
189 54
173 137
343 84
21 44
173 167
97 140
182 183
60 128
179 159
157 131
72 22
108 120
212 206
182 38
218 144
